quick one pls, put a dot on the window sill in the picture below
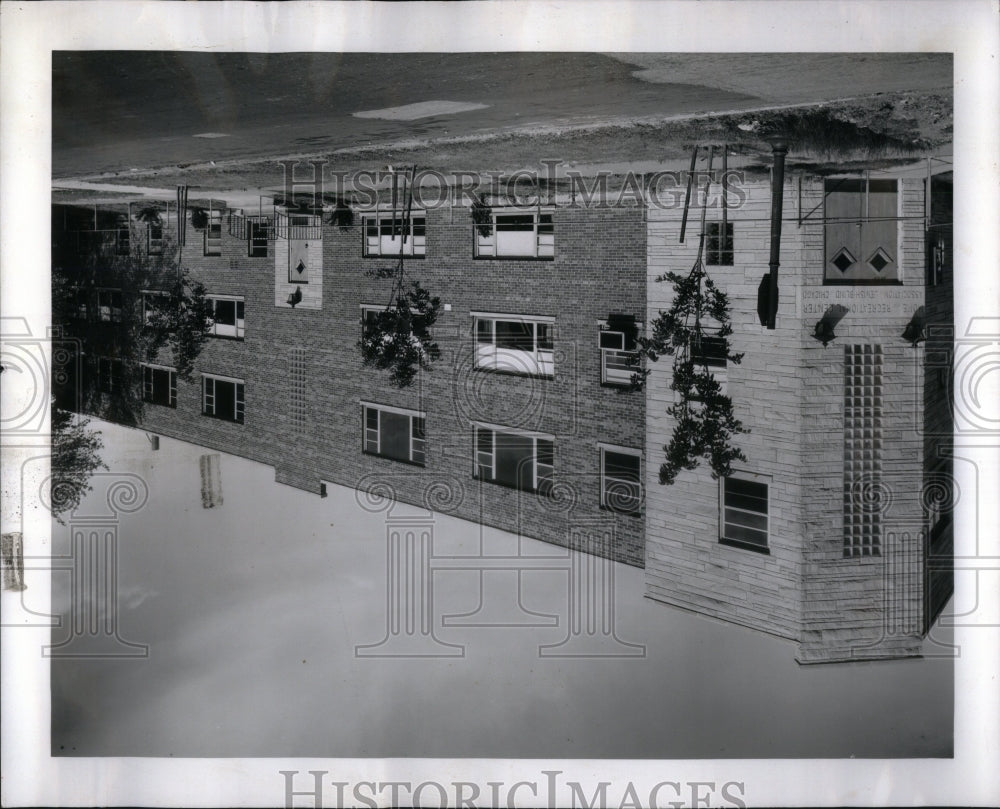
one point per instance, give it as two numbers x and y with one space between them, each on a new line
510 487
159 404
617 385
513 258
395 460
502 372
227 337
746 546
221 418
874 282
391 256
636 515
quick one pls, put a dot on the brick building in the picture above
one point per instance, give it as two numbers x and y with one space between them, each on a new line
519 425
834 533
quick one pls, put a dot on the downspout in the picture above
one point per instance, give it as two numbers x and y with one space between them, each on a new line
779 146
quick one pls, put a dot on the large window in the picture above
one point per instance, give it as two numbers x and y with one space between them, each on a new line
521 460
514 344
159 385
860 230
520 234
621 479
222 398
386 235
227 316
394 433
213 234
745 511
109 305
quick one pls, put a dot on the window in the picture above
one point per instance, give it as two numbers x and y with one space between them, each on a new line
394 433
159 385
109 305
621 479
154 302
860 231
227 316
709 350
384 237
863 481
213 233
514 344
617 342
222 397
525 234
154 238
109 375
513 458
78 303
719 247
257 233
744 511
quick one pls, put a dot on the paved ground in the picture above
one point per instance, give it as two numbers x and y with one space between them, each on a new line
252 612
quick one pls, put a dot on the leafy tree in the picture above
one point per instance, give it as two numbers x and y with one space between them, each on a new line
398 338
74 459
705 424
124 310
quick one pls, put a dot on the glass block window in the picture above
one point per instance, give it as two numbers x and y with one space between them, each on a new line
863 492
298 406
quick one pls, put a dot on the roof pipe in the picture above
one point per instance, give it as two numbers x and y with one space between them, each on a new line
779 148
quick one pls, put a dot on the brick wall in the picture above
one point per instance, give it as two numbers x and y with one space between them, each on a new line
599 267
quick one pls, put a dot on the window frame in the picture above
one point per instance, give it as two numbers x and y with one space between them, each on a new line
239 397
411 247
114 313
239 327
417 444
154 245
544 235
538 360
603 331
833 185
149 384
213 232
146 294
744 544
255 241
715 255
109 382
536 478
640 498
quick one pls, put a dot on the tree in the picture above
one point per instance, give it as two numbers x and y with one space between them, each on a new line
694 329
74 459
705 424
398 338
125 308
